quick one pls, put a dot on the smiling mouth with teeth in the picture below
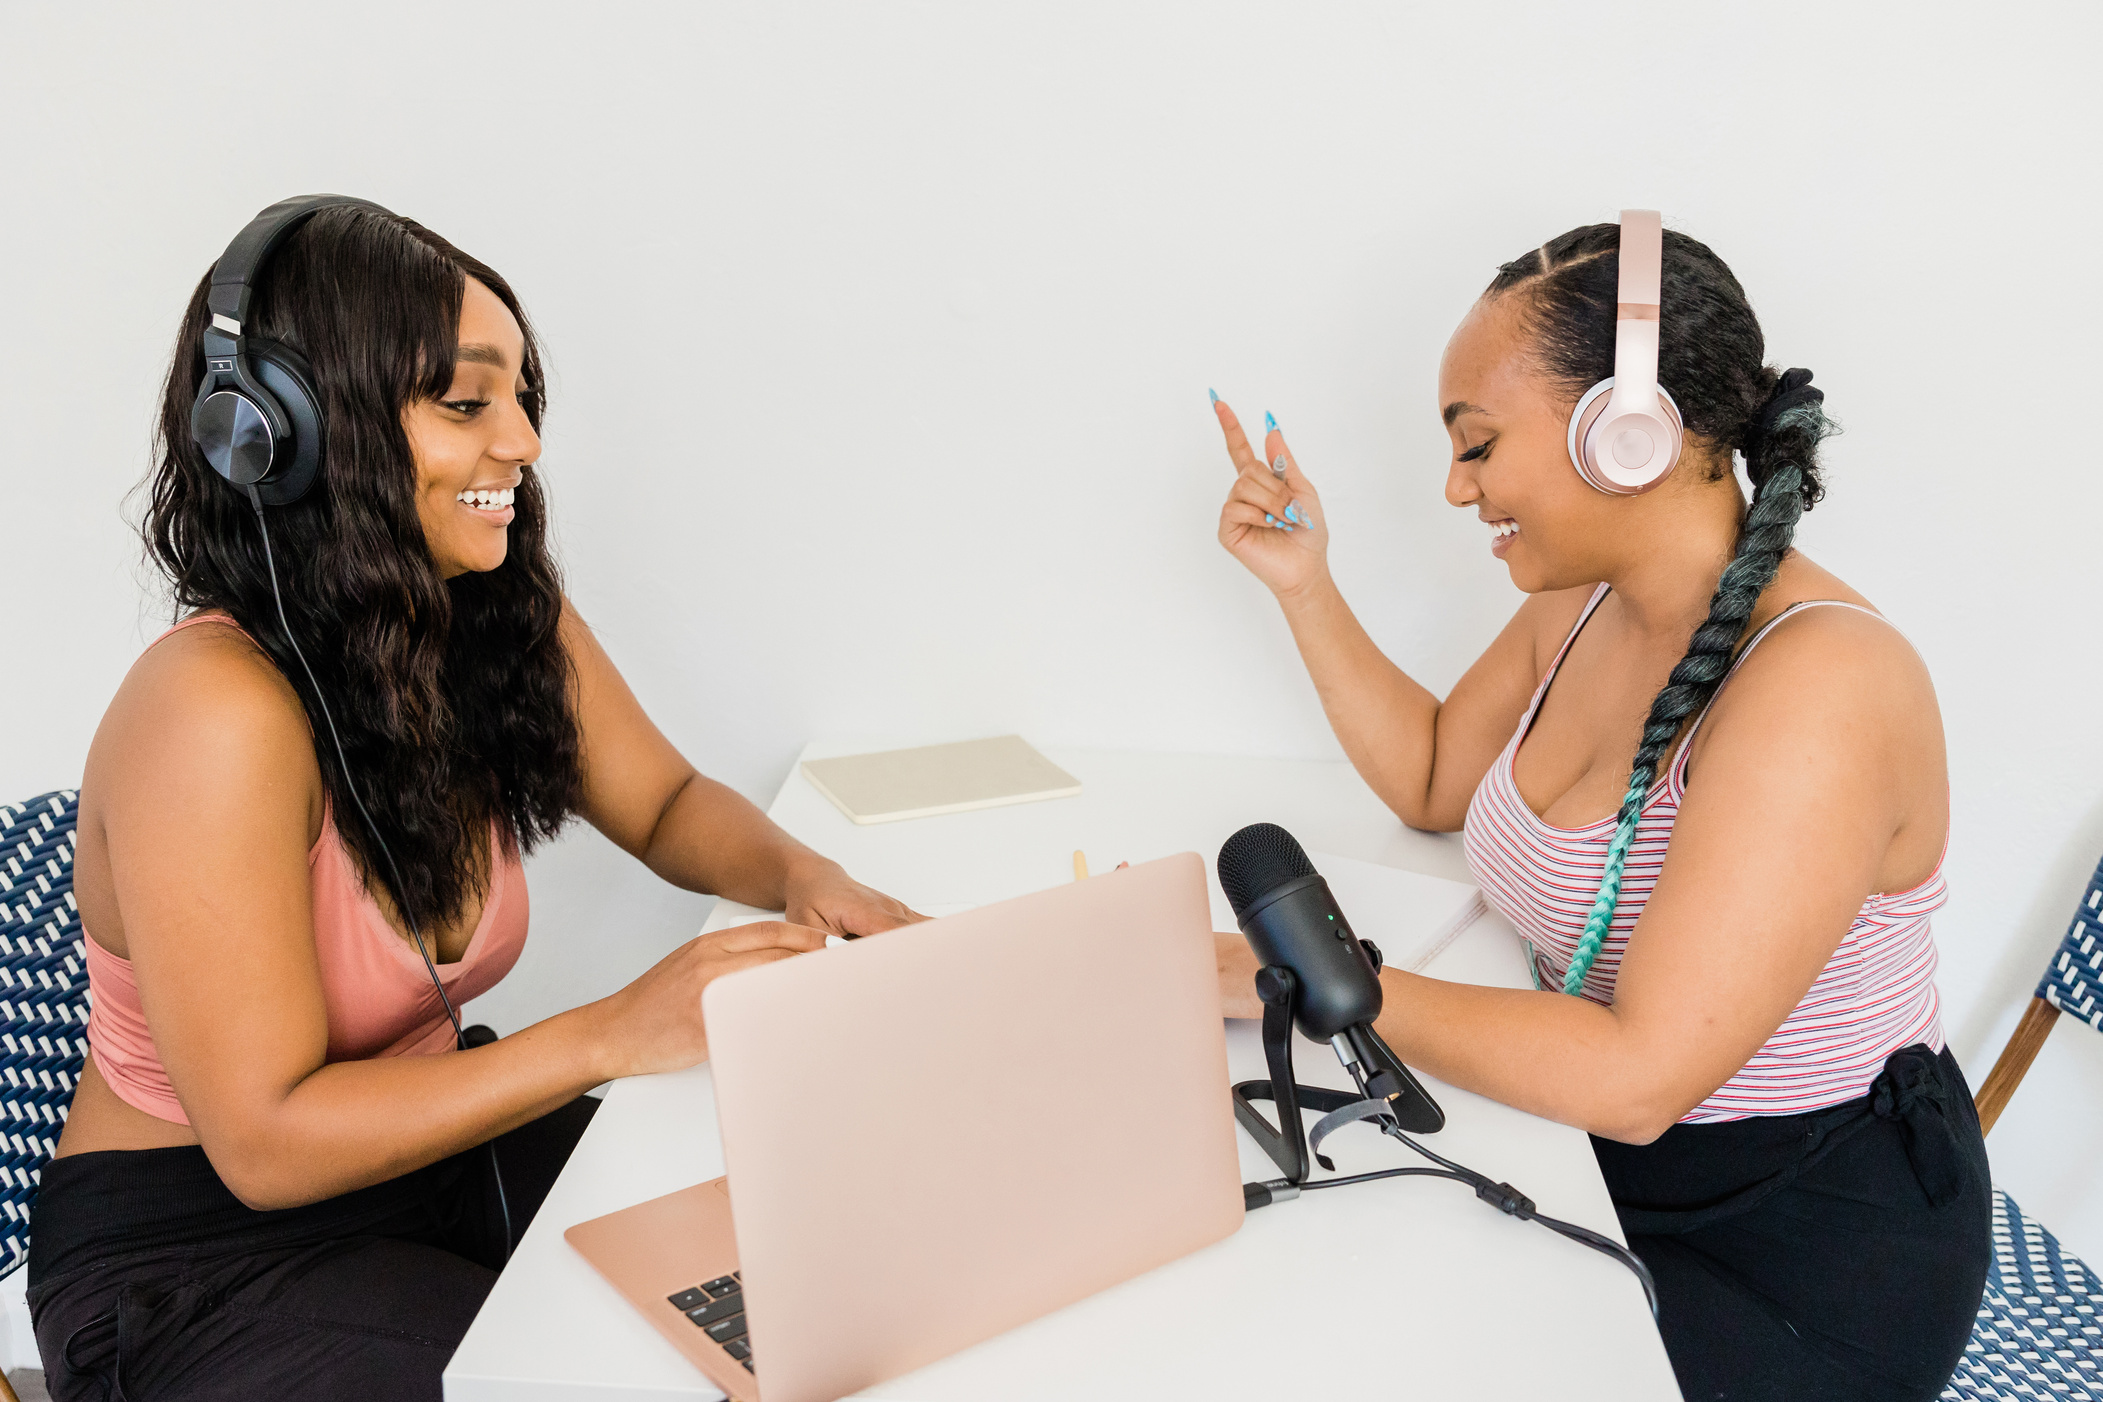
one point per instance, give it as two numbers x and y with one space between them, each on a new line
497 500
1503 530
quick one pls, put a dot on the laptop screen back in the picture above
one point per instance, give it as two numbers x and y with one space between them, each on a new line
939 1133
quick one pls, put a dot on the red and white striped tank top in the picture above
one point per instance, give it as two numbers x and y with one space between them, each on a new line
1874 996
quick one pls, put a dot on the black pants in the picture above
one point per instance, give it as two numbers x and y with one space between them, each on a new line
1834 1255
149 1280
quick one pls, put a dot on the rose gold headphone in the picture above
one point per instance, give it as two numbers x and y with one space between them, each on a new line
1627 442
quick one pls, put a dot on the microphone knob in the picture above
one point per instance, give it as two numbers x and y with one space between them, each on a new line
1372 952
1273 984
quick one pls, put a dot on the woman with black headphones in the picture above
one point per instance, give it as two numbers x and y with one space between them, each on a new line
300 836
1729 932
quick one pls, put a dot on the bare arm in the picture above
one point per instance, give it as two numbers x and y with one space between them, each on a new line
689 829
1801 798
1422 756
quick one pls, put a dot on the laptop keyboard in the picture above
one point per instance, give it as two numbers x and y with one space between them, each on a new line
718 1308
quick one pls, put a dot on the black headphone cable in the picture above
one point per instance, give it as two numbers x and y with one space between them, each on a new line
255 499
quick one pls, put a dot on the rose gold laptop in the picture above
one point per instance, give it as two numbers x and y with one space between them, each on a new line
941 1133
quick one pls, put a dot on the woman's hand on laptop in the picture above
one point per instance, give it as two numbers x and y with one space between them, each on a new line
823 896
654 1024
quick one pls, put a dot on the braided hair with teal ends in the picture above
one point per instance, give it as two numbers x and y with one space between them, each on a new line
1710 357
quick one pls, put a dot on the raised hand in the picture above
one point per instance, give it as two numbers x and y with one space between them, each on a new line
1275 526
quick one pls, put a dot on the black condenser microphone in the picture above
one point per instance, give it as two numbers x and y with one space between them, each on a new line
1289 917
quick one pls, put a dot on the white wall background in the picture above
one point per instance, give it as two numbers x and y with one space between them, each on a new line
881 337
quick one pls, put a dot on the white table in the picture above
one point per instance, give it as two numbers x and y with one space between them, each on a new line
1403 1288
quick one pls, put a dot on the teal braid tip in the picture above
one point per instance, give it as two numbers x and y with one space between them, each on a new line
1596 925
1602 916
1588 947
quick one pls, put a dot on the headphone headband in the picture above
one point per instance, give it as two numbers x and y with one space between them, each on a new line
1625 431
1642 260
256 417
245 256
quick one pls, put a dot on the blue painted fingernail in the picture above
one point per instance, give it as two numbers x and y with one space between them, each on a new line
1288 530
1215 395
1270 425
1269 520
1294 512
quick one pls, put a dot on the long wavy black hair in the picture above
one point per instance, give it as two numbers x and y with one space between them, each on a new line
1712 360
454 698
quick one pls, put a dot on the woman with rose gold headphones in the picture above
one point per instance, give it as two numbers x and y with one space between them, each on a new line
1705 782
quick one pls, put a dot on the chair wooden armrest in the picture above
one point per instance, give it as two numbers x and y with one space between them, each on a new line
2016 1057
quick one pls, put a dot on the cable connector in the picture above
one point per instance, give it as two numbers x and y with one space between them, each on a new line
1255 1195
1506 1199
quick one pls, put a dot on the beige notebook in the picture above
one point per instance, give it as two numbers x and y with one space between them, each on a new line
895 784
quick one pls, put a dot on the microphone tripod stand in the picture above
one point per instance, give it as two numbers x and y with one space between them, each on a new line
1386 1092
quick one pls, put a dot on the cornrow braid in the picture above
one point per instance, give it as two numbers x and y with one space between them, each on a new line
1779 449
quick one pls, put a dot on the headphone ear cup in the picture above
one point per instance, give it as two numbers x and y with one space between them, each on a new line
1591 442
233 432
286 374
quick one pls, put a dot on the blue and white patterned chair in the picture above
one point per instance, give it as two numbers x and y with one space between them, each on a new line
2040 1329
43 1001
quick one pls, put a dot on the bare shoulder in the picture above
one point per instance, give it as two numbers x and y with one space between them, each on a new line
1844 673
1844 646
214 677
204 709
1849 641
1835 710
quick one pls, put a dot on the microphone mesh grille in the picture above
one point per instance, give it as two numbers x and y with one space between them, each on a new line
1259 858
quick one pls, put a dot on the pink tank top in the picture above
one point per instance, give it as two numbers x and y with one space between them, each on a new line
1874 996
378 994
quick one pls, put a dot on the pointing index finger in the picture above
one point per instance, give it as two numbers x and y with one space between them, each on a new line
1238 447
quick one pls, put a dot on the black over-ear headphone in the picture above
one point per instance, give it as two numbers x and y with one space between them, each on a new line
257 418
